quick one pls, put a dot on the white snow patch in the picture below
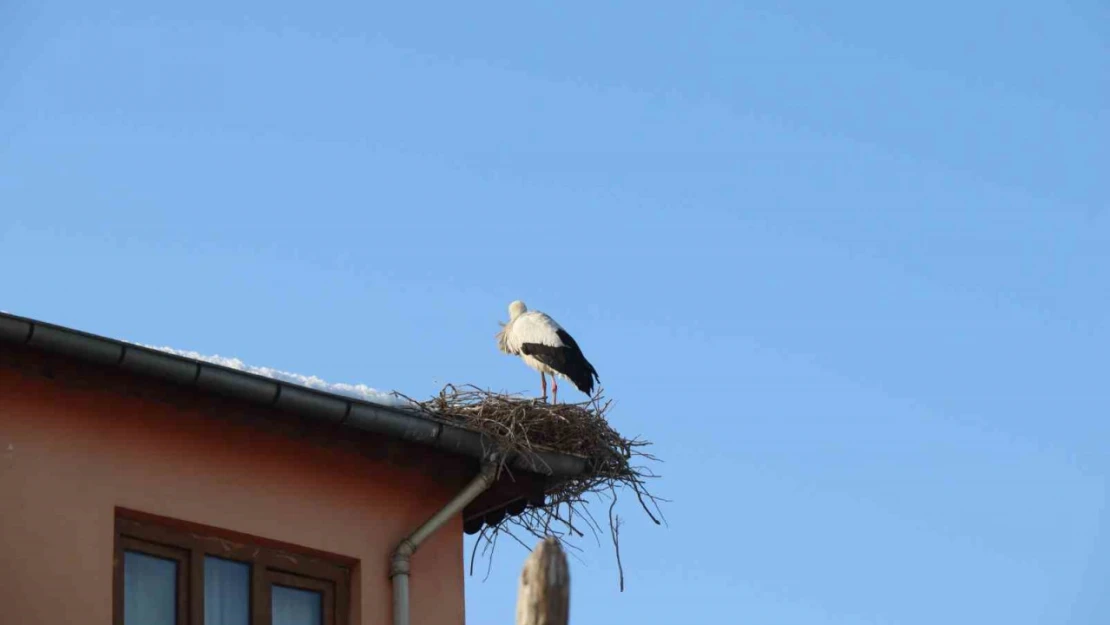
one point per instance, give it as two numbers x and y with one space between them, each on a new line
356 391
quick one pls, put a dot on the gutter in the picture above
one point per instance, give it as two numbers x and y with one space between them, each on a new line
400 565
395 422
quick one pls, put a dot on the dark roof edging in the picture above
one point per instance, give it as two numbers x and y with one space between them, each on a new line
348 412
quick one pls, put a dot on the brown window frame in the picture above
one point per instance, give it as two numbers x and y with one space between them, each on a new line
271 563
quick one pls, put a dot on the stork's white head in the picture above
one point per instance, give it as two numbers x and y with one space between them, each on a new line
516 309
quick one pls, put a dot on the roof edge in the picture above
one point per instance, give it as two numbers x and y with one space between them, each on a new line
347 412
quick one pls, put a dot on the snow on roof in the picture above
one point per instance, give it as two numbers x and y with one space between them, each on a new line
356 391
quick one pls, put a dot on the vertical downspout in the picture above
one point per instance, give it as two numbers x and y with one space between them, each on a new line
400 564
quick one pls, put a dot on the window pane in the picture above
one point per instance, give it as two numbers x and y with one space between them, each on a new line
294 606
227 592
149 590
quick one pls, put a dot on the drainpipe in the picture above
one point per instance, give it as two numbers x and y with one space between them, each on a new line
400 562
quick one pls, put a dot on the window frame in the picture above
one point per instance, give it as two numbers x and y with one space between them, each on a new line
270 563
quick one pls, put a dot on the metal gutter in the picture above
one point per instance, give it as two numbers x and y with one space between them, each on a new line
400 563
395 422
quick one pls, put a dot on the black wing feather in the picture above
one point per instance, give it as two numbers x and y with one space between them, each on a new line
567 360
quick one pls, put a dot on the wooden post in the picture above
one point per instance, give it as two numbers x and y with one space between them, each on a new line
544 594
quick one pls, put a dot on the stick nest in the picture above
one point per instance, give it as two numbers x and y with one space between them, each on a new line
517 425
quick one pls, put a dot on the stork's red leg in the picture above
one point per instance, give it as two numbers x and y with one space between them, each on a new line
543 382
554 390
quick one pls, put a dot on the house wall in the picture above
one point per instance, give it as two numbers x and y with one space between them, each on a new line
72 452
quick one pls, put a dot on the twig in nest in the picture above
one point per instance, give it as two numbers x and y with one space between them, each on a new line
615 525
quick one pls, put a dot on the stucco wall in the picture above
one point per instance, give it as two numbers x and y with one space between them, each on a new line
70 455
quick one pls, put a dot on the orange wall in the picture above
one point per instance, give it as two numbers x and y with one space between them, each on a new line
70 455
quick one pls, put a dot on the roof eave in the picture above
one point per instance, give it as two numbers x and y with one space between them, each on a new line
347 412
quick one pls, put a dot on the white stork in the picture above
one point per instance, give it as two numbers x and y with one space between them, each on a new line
546 347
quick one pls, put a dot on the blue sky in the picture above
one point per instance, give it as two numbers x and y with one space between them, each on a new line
846 264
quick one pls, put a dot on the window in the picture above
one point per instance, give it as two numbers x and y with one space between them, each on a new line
172 573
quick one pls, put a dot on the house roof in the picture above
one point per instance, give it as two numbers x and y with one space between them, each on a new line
342 410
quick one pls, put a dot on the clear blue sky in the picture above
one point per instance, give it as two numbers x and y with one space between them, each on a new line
845 263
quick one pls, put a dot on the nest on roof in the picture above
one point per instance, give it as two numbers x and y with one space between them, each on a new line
518 425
